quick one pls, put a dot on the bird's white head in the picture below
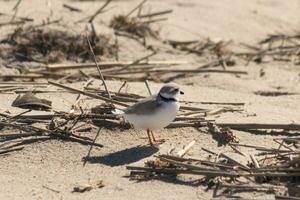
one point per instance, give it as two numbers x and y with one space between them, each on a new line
170 91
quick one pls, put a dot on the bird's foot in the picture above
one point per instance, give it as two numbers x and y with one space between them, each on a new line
158 142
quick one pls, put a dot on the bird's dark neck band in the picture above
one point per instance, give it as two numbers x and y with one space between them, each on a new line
166 99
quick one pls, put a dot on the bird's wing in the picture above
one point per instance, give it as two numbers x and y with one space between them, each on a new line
147 106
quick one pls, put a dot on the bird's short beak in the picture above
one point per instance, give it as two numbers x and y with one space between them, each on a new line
181 92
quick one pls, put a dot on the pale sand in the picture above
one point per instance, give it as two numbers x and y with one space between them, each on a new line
58 165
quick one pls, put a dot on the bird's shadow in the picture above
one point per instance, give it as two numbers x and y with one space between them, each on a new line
123 157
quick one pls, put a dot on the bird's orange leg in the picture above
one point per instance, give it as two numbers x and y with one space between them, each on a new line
150 137
156 141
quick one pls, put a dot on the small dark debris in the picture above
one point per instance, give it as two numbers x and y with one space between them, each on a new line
273 93
133 26
223 135
88 187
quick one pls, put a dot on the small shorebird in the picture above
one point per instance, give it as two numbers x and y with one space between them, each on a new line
155 112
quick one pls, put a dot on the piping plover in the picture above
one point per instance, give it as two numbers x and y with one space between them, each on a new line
155 112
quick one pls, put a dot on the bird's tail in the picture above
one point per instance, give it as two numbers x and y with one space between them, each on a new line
117 112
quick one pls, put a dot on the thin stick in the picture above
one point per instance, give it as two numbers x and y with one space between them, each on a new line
137 7
88 94
210 172
18 142
89 152
16 8
258 147
181 164
27 76
123 85
282 144
183 71
235 161
117 45
248 126
51 133
219 103
202 162
237 150
92 116
10 150
148 87
191 108
66 116
137 61
155 20
71 8
156 13
18 135
21 18
112 64
183 124
227 157
53 190
249 186
11 89
98 68
209 151
36 84
79 97
99 10
18 115
12 23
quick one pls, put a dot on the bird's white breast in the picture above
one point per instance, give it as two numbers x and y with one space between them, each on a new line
159 119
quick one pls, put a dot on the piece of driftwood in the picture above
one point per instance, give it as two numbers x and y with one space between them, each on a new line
250 187
107 64
182 71
174 171
187 148
13 83
11 150
248 126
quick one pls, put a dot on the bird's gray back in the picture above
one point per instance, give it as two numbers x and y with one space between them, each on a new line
145 106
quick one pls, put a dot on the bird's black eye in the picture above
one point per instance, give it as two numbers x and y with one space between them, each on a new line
176 90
